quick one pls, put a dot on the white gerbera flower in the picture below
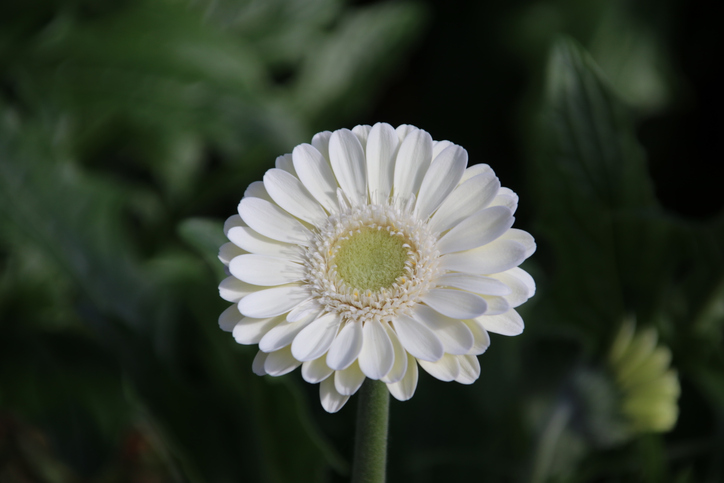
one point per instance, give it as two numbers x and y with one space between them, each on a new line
369 252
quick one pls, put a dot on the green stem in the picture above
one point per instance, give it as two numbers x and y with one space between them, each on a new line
370 446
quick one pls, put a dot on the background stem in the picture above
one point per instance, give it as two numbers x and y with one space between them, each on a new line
548 443
370 448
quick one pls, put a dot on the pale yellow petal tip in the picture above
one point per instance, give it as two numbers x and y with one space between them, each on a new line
649 387
623 340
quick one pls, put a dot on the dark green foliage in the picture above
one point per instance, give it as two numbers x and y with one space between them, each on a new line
611 239
615 253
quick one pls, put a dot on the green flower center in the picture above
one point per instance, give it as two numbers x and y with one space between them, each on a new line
371 259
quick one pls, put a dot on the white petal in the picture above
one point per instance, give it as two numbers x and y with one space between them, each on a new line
229 318
403 130
228 251
524 277
405 389
440 146
522 237
480 336
474 283
258 365
232 290
506 197
400 366
477 169
496 305
477 230
417 339
280 362
521 283
494 257
348 381
257 190
315 339
332 401
320 141
362 132
348 163
284 162
266 271
304 309
469 369
253 242
250 331
315 371
412 162
446 369
291 195
455 303
509 323
381 153
455 336
346 346
282 335
273 301
378 355
439 181
468 198
231 222
316 174
273 222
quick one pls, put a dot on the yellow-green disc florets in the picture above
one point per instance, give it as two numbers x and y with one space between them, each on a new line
371 262
371 259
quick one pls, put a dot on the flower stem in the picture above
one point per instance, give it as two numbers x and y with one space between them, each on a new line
370 446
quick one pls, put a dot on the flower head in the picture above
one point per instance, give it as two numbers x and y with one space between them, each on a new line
368 252
648 386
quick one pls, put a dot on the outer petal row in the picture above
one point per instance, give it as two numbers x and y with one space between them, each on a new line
369 161
477 230
251 241
378 354
288 192
382 146
412 163
271 221
347 157
265 270
316 174
442 177
470 197
274 301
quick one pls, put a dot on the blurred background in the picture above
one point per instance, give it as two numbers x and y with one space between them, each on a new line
129 130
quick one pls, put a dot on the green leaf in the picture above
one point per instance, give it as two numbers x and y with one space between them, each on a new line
338 75
206 236
149 65
88 414
609 238
73 218
633 58
157 319
291 441
702 287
